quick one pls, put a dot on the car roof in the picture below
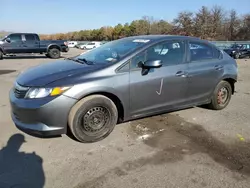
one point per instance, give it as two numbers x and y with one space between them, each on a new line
23 33
159 38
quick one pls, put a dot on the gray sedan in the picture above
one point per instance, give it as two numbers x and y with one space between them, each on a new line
125 79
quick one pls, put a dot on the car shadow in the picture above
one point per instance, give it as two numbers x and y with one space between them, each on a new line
20 169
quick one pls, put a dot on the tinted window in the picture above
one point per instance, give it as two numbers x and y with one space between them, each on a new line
200 51
15 38
30 37
170 53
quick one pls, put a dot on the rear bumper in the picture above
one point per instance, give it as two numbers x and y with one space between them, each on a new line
41 117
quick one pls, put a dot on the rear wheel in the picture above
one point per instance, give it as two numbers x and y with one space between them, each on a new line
221 96
1 55
93 118
54 53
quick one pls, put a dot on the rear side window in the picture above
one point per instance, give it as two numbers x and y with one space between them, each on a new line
30 37
200 51
15 38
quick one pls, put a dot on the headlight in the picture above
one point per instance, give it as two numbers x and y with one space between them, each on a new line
233 51
44 92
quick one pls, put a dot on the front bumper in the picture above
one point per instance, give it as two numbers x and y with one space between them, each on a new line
41 117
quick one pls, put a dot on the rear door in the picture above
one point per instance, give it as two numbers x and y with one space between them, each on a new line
31 44
15 45
205 69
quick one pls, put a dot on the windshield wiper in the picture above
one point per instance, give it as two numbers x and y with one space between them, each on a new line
85 61
79 60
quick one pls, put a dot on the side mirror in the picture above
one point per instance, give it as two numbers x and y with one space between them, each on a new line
152 64
7 40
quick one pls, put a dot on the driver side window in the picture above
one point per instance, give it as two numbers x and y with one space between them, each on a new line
170 53
15 38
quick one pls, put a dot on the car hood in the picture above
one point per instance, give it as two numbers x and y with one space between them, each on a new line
44 74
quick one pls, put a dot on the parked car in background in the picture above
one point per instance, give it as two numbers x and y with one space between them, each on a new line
23 43
125 79
238 50
72 44
91 45
80 45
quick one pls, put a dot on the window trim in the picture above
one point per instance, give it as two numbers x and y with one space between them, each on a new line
119 69
158 43
203 60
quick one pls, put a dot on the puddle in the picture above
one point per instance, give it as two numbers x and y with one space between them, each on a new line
6 71
173 138
181 138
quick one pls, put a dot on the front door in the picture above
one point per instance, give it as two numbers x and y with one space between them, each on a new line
205 69
161 88
15 45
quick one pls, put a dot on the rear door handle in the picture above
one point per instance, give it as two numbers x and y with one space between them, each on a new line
181 74
218 67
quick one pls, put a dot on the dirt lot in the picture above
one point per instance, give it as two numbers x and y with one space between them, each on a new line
190 148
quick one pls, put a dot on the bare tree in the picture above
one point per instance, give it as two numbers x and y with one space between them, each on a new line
184 23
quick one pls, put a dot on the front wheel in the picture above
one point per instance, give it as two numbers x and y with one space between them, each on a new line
237 56
221 96
93 118
54 53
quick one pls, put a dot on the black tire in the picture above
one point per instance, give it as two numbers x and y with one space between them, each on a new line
1 55
54 53
237 56
83 115
217 101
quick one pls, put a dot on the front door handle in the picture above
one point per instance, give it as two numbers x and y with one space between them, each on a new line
218 67
181 74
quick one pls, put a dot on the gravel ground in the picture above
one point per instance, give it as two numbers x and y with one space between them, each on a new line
194 148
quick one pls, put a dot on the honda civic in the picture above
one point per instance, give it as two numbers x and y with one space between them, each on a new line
122 80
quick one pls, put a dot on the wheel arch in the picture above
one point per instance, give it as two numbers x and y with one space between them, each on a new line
54 46
231 81
116 100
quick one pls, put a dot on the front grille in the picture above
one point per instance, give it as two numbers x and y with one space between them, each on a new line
20 91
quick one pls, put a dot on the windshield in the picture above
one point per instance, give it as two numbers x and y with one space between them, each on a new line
112 52
91 43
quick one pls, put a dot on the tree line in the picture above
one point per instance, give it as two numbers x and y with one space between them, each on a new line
207 23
